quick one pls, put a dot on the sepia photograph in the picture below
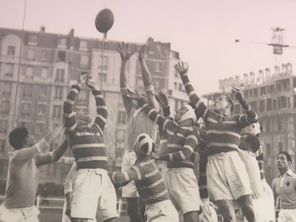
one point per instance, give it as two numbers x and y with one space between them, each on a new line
147 111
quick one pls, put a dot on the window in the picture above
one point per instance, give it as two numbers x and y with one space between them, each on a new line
279 125
56 111
262 105
2 145
3 126
39 127
61 56
120 135
84 60
6 89
269 105
42 92
60 75
58 92
41 109
8 70
103 63
27 91
44 55
29 72
44 73
280 146
5 105
11 50
121 117
175 86
26 109
103 77
32 40
180 87
31 54
62 43
83 45
176 74
157 66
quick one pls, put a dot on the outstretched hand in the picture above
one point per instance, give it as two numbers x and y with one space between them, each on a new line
181 68
91 83
124 51
237 93
162 99
82 78
136 96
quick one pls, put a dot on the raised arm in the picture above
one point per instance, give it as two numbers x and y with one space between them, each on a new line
53 156
69 114
188 148
121 178
24 155
102 113
250 116
125 55
147 79
200 108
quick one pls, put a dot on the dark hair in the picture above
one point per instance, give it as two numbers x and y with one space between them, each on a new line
288 156
17 137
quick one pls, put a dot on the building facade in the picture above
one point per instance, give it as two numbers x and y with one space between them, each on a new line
272 94
37 68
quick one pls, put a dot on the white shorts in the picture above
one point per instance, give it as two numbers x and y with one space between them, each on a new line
128 160
19 214
287 215
227 177
253 171
92 190
183 189
163 211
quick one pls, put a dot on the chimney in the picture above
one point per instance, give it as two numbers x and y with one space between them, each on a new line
42 28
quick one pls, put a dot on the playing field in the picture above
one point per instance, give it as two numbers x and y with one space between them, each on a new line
55 215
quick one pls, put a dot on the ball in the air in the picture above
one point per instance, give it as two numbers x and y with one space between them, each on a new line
104 20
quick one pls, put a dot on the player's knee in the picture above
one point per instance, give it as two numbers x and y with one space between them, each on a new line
191 216
246 203
226 210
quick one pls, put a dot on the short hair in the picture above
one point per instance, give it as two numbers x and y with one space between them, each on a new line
17 137
288 156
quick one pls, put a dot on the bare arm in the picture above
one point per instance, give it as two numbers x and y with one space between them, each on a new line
53 156
147 79
200 108
125 55
26 154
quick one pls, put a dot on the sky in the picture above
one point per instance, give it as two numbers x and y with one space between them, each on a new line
203 31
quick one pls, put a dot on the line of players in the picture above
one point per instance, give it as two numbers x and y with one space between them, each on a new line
227 146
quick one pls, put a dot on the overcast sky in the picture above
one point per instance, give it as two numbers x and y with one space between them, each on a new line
203 31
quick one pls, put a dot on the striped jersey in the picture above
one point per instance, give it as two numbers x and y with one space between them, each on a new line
260 157
148 180
223 132
181 141
87 143
203 159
